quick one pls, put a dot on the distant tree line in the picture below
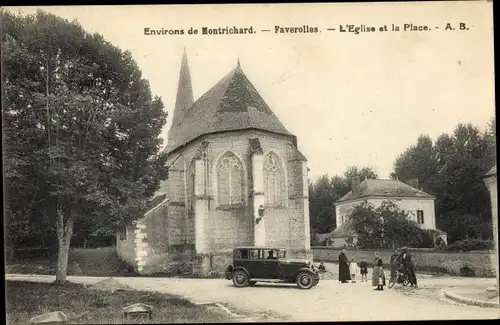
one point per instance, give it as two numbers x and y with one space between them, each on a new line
325 191
450 168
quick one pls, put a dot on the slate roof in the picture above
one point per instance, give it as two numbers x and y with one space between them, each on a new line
342 231
232 104
383 188
155 201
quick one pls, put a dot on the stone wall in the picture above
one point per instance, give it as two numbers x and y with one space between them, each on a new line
228 228
424 259
125 246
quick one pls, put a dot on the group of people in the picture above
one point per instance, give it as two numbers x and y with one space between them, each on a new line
348 271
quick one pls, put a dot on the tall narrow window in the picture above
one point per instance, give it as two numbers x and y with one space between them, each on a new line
420 216
230 180
273 179
191 197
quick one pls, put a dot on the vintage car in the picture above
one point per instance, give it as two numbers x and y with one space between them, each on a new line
259 264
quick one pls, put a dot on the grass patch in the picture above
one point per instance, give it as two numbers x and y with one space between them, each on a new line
90 262
29 299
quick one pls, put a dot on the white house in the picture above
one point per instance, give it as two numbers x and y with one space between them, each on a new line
418 204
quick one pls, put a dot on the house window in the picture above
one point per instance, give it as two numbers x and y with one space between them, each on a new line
420 216
230 180
273 178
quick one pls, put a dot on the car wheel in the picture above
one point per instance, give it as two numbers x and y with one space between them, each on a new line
252 283
316 281
305 280
240 279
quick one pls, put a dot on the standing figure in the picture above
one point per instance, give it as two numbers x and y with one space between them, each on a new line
394 263
378 276
354 270
363 268
344 275
405 259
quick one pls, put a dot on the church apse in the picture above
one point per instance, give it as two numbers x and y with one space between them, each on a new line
230 157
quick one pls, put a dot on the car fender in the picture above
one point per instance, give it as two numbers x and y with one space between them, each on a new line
229 272
242 269
306 270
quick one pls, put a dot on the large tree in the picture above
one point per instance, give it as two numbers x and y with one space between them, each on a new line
417 162
452 170
81 129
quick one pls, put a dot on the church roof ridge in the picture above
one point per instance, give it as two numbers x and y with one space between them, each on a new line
233 103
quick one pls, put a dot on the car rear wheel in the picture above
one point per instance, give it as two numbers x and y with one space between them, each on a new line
305 280
240 279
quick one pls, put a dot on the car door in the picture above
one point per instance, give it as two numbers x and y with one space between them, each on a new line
272 266
255 265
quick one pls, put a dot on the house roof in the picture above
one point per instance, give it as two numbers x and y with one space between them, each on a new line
383 188
344 230
232 104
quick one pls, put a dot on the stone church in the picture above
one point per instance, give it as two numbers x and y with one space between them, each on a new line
236 178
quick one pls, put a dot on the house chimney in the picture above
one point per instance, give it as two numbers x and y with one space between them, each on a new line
355 183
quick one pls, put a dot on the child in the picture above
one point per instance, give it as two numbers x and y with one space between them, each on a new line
354 270
322 267
363 266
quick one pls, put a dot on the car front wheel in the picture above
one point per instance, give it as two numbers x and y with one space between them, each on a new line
305 280
240 279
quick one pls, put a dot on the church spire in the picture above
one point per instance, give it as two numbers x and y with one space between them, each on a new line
184 98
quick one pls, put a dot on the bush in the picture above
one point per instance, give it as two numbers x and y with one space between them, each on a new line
470 245
427 239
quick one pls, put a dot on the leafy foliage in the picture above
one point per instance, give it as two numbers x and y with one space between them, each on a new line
470 245
81 128
452 170
386 227
325 191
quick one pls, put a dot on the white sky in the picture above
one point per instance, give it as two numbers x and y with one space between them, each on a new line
350 99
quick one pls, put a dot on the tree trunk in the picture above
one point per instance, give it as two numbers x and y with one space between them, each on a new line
64 234
85 243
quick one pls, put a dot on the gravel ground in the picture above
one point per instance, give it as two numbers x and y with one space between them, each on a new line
329 301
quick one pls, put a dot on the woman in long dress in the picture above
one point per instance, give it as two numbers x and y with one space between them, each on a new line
394 263
344 274
378 276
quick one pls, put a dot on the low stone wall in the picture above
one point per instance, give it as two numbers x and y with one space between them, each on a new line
476 263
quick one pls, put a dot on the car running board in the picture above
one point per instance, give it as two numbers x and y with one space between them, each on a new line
267 280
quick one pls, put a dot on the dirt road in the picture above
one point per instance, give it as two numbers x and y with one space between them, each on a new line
329 301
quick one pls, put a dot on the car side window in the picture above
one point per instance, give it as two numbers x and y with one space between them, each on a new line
254 254
243 254
271 254
282 254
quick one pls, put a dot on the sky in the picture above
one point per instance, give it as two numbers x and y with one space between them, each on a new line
351 99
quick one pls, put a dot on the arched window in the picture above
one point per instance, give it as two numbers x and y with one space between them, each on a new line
274 184
230 180
191 197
